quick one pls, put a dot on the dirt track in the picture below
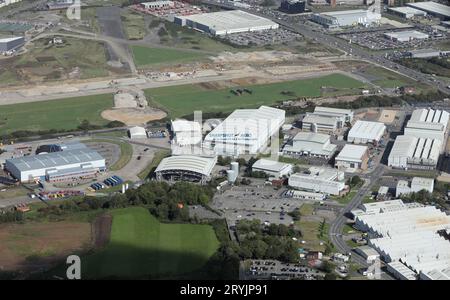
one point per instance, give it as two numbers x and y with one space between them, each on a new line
101 228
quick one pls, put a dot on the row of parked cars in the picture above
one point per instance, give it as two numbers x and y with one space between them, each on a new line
111 181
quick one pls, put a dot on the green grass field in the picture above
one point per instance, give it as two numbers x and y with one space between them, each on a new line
54 114
140 245
183 100
145 56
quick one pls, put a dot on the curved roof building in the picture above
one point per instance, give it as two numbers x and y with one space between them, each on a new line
186 168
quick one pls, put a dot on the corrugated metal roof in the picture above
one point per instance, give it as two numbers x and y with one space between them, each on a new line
197 164
55 159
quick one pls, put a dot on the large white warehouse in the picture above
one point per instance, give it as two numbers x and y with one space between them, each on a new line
347 18
412 152
364 132
245 131
319 180
56 166
226 22
309 143
407 237
326 119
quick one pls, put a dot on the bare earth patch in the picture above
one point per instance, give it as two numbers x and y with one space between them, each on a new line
133 116
34 246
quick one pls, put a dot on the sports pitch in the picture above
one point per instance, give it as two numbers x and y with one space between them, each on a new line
140 245
54 114
184 100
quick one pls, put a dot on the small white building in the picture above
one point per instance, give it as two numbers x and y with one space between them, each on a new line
417 184
406 36
352 157
315 123
319 180
137 132
309 143
363 132
368 253
303 195
272 168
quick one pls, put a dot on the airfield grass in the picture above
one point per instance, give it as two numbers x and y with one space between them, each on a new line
145 56
64 114
140 245
134 25
183 100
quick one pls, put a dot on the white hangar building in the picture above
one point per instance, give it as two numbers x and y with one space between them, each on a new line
226 22
186 168
319 180
363 132
186 132
407 237
272 168
56 166
245 131
309 143
137 132
416 153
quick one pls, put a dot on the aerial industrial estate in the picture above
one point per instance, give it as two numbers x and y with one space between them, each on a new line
233 140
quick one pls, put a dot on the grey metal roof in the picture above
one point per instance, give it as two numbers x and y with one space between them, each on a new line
55 159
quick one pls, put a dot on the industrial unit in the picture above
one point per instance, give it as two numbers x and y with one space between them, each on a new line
417 184
326 119
415 153
428 123
433 8
137 132
292 6
363 132
407 237
336 19
12 43
309 143
319 180
226 22
353 157
186 132
406 36
186 168
56 166
407 12
245 131
272 168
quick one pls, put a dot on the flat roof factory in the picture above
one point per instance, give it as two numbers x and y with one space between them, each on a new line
11 43
412 152
319 180
226 22
417 184
406 36
345 18
42 166
433 8
407 12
